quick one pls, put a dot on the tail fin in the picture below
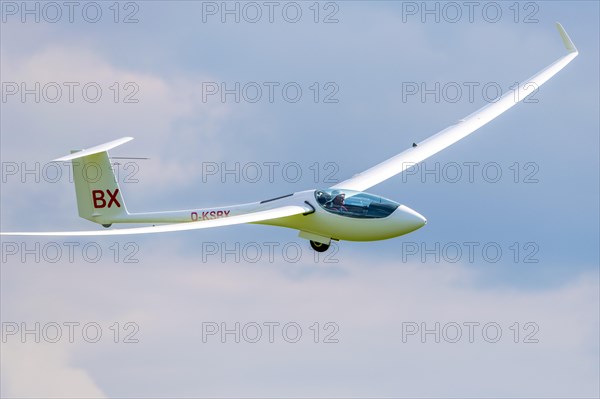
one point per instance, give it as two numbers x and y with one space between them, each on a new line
99 197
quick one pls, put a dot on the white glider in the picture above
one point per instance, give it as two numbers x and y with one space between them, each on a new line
341 212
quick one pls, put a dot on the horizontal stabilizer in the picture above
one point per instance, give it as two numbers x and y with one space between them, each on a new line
94 150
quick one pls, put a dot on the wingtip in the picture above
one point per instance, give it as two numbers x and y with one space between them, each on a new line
569 45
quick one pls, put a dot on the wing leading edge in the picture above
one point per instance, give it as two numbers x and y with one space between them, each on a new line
461 129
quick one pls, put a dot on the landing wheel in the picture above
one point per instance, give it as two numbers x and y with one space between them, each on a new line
319 247
107 225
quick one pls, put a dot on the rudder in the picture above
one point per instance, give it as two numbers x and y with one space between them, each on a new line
99 197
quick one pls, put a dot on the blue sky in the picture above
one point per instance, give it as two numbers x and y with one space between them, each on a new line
371 290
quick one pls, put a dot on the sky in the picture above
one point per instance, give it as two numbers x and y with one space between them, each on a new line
497 296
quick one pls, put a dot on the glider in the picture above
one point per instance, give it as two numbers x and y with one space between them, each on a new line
342 212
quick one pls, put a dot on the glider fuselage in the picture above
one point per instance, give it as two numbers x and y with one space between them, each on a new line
360 217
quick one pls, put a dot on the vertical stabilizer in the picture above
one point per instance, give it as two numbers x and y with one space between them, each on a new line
99 197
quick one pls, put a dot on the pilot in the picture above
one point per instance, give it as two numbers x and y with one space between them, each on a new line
338 202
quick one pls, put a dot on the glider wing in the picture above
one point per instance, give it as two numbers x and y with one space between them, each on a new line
252 217
436 143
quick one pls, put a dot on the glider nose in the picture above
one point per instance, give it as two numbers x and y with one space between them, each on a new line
410 220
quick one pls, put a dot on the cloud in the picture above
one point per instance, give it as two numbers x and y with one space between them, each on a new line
96 101
43 371
170 296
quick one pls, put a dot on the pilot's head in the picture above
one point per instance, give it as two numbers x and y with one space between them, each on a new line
339 199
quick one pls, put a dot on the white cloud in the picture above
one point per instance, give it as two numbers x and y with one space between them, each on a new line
158 119
169 296
43 371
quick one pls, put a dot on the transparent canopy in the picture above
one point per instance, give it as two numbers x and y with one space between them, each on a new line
355 204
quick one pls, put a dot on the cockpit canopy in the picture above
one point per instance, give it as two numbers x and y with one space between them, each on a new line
355 204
